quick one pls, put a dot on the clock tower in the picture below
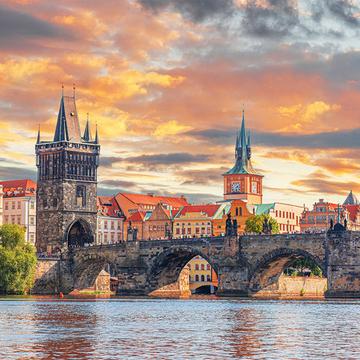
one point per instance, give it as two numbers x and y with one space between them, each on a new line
243 181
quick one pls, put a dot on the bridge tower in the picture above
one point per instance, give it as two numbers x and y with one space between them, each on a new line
67 183
242 181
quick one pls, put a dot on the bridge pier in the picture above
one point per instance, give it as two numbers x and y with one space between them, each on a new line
343 264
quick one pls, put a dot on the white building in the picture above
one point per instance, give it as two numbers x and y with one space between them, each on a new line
287 215
1 205
110 221
19 205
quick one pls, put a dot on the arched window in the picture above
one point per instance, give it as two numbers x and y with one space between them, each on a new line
196 266
196 277
208 278
202 278
202 267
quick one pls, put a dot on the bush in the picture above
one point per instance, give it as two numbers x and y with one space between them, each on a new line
17 260
254 224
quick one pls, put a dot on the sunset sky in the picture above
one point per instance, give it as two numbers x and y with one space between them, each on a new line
166 81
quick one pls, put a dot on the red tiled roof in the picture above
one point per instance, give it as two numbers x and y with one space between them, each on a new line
131 202
137 216
17 188
107 206
353 211
209 210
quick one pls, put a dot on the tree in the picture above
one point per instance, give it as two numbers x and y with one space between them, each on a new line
17 260
255 223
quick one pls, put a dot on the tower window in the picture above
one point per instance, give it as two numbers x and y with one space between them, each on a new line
81 195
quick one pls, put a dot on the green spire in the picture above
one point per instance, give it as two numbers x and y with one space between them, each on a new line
96 135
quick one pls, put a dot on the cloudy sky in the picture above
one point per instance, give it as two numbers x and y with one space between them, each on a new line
166 81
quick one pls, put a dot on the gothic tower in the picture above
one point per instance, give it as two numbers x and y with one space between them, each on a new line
242 181
67 183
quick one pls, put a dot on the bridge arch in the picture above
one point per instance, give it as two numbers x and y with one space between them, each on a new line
265 273
87 268
166 267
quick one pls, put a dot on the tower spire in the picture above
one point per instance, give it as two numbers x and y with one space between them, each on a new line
87 133
96 135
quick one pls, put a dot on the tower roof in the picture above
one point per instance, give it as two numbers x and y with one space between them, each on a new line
87 133
67 126
351 199
242 153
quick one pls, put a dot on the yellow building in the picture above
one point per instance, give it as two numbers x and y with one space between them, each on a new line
238 210
201 275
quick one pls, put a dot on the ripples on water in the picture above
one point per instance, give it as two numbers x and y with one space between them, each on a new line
171 329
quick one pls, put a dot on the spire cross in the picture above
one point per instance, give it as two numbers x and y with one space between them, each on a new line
74 88
62 89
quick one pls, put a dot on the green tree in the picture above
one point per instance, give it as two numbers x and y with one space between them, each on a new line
254 224
17 260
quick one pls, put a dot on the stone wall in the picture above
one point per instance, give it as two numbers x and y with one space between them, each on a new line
343 271
179 289
299 287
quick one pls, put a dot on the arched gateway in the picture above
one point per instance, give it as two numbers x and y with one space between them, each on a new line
79 234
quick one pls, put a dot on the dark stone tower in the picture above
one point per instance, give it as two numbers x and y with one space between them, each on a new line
67 183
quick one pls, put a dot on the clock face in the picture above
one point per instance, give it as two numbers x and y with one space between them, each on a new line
235 187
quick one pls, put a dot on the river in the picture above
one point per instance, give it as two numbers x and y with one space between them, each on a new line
178 329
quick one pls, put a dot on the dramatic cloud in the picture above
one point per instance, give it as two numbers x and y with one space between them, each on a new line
346 10
336 139
19 26
166 82
198 10
270 18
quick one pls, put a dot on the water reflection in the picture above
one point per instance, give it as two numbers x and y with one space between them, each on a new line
171 329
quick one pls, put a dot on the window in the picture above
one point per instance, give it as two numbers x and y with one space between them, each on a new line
32 220
105 224
196 277
19 220
202 278
202 267
13 205
254 187
237 212
19 205
196 266
6 206
208 279
207 266
81 195
177 231
32 237
112 225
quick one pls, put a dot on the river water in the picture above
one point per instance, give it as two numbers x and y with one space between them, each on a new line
179 329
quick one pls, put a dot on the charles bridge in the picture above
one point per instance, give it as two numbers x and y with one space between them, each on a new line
246 265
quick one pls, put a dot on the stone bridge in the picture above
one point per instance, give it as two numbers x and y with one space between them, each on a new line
245 265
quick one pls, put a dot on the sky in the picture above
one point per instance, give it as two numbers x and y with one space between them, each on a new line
166 82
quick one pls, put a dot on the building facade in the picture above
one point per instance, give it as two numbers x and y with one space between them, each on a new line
319 218
19 206
159 224
196 220
110 221
1 204
201 275
239 210
67 183
242 181
286 215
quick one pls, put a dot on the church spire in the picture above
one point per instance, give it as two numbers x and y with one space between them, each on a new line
96 135
87 133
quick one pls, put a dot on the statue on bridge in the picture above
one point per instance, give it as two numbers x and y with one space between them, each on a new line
234 227
228 226
267 227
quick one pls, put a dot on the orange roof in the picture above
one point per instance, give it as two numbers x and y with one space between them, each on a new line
209 210
107 206
137 216
131 202
353 211
17 188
